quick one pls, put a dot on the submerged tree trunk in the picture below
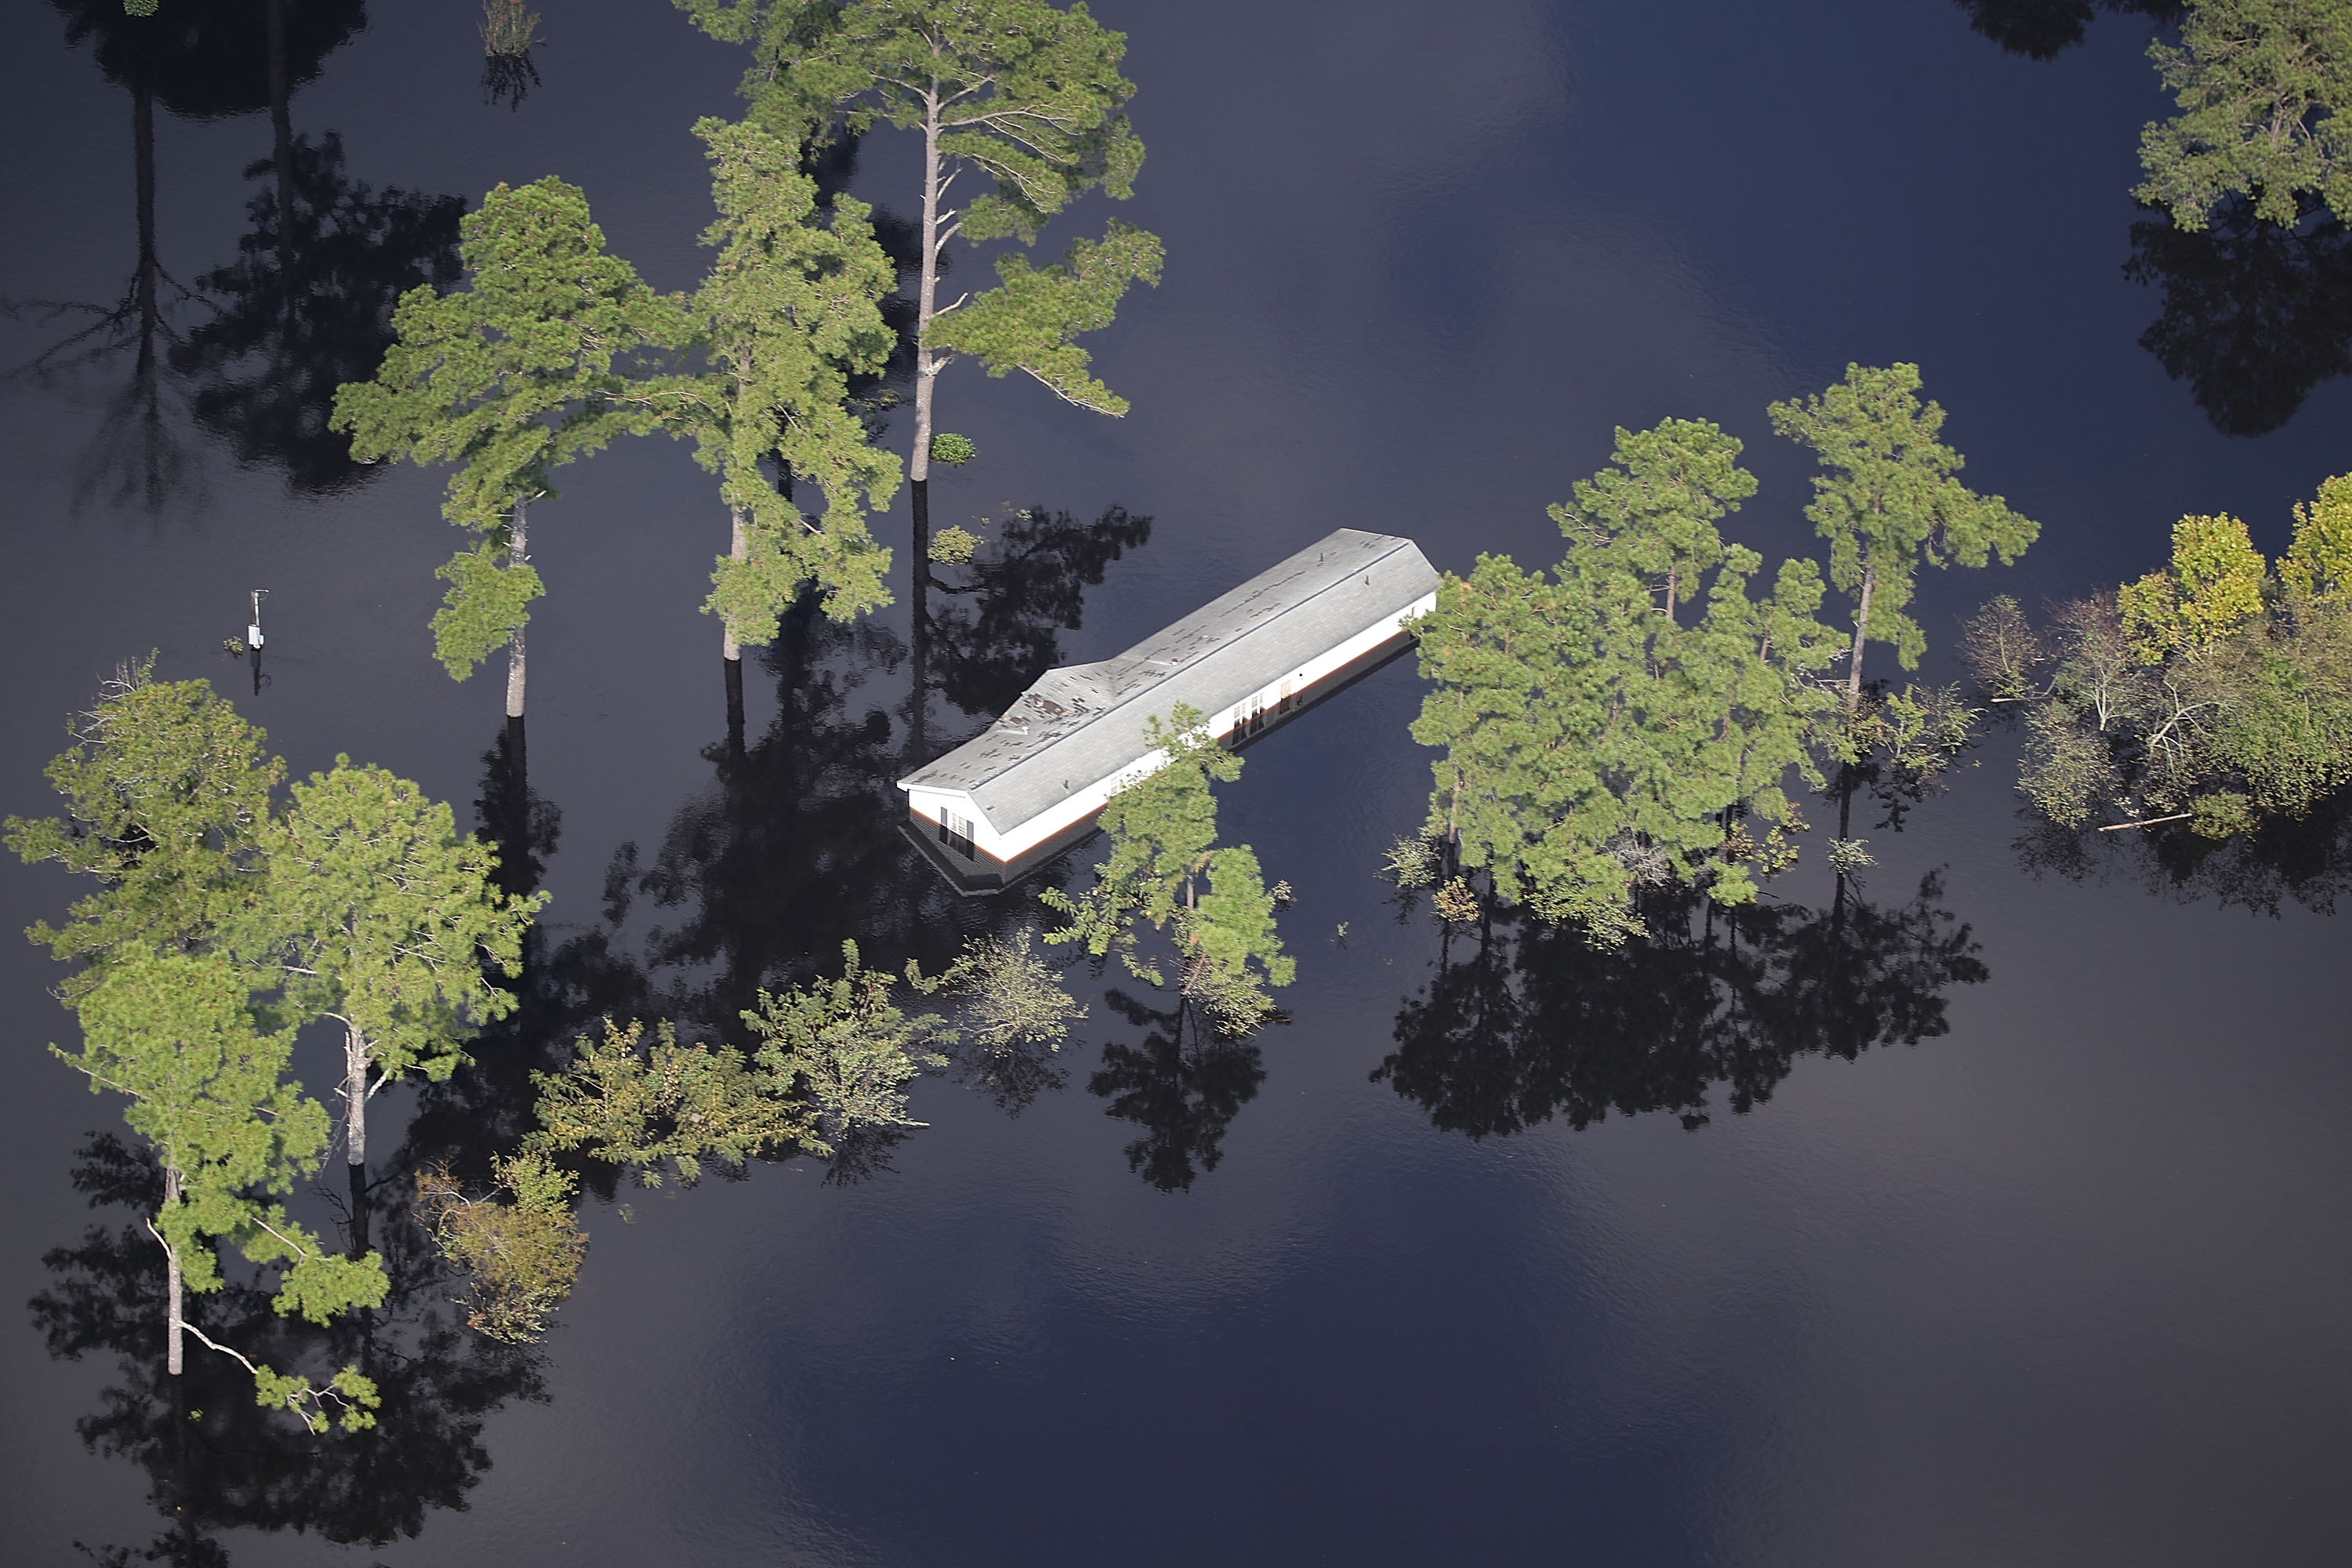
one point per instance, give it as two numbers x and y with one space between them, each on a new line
1860 631
518 554
143 283
175 1312
281 127
920 659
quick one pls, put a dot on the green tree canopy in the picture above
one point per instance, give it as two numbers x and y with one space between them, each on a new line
1887 501
167 791
380 915
522 371
2264 89
1022 96
789 312
1593 745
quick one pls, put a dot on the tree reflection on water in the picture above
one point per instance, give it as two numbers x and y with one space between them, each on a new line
202 60
1533 1022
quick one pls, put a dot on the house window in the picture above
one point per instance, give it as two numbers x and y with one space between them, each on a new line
955 832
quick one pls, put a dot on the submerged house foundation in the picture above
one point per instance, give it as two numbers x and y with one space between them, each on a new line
1031 785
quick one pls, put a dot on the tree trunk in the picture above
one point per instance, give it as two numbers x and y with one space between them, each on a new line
517 554
281 127
1860 631
355 1086
175 1312
919 467
355 1091
738 549
730 652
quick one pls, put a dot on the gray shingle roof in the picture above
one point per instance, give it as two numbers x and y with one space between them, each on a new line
1083 722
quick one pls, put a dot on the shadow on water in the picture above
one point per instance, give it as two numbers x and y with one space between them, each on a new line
2255 314
2043 30
1183 1085
307 304
1532 1022
2304 861
217 1462
299 315
998 624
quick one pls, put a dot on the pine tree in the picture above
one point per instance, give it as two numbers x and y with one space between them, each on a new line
2264 89
1888 502
1593 744
790 311
378 914
1018 93
520 373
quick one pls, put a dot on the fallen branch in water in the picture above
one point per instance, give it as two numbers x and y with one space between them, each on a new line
2149 822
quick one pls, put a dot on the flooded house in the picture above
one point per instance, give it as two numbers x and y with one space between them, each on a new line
1032 784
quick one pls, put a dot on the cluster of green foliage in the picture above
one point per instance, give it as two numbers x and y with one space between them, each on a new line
2216 692
509 378
1166 871
790 311
1018 94
219 925
829 1060
1611 726
518 1248
2264 89
554 348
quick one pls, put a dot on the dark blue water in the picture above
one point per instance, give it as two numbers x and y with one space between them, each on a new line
2061 1283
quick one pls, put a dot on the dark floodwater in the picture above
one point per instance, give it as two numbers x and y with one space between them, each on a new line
2061 1283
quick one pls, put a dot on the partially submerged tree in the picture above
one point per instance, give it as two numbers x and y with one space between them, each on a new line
517 1248
788 314
1594 744
2215 693
2264 89
208 1087
509 378
1166 871
1888 502
383 917
846 1048
1016 93
829 1066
